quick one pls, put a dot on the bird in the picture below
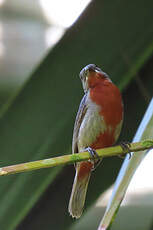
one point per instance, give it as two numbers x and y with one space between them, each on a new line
98 125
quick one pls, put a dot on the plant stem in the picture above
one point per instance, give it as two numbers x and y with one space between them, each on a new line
70 159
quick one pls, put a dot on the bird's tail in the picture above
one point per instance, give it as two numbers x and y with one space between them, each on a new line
79 190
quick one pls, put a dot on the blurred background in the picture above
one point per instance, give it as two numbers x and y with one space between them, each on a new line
43 46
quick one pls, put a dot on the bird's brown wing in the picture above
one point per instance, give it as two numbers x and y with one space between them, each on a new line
80 115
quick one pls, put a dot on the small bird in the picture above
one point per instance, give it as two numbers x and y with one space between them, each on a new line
98 124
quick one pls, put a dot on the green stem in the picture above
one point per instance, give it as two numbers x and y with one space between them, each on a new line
70 159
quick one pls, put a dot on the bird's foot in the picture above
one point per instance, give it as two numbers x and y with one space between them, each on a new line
125 145
95 158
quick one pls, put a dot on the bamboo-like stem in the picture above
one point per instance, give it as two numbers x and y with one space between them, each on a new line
70 159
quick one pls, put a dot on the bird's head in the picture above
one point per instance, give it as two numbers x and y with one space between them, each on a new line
91 75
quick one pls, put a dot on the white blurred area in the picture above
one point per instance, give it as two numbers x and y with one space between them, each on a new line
142 181
27 30
136 211
140 190
63 13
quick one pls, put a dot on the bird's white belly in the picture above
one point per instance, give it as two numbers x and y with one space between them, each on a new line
92 125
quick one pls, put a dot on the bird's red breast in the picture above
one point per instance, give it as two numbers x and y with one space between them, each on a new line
106 96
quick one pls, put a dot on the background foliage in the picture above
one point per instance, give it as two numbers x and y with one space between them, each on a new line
117 36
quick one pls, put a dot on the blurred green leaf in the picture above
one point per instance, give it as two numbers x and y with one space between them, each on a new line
114 36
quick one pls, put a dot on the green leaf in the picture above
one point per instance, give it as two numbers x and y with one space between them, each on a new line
40 119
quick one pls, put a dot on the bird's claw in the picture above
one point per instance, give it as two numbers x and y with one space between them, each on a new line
126 148
95 157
